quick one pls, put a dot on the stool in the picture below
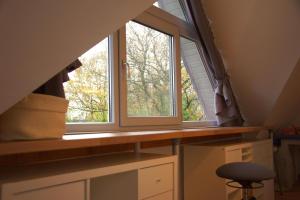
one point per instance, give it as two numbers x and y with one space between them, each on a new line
246 174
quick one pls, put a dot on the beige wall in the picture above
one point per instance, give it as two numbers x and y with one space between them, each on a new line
259 40
38 38
287 107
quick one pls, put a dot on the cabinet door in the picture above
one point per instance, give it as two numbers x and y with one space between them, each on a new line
74 191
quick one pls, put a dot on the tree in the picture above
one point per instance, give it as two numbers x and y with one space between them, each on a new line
191 108
87 90
149 71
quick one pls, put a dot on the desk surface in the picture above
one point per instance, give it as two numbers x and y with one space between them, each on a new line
104 139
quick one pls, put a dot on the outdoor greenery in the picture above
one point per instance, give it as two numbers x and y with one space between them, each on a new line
149 71
88 90
149 80
191 108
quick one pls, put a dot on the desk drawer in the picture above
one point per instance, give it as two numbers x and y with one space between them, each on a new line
155 180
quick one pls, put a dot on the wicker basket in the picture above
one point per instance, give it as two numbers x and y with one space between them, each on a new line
35 117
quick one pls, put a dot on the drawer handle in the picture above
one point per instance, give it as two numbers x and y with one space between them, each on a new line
158 180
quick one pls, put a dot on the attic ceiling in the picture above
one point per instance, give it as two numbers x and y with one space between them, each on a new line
259 41
39 38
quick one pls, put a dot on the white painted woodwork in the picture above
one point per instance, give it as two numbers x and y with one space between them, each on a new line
155 180
110 177
74 191
164 196
117 186
160 25
202 160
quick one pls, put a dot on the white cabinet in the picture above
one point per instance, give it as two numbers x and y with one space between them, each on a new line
127 176
202 160
156 180
74 191
164 196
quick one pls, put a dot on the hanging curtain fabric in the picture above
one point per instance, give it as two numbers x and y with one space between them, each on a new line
54 86
226 108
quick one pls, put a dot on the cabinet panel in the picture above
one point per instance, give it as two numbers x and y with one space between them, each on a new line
155 180
129 176
201 161
114 187
233 156
74 191
164 196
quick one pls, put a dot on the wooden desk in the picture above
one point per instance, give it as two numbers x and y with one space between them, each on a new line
104 139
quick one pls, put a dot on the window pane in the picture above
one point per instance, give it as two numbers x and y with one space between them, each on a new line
200 82
192 110
171 6
149 72
88 88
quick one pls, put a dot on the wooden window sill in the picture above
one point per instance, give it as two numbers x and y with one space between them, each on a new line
102 139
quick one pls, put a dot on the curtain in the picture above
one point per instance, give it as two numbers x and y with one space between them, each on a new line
54 86
226 108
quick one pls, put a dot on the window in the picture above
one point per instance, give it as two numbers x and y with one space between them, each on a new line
192 110
171 6
149 72
89 87
148 86
198 82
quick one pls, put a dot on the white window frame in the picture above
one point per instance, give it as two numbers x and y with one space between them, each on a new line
167 23
164 27
113 124
187 31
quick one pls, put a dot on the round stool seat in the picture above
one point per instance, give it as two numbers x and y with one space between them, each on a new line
243 172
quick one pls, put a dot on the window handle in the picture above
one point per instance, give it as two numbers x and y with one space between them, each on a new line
124 65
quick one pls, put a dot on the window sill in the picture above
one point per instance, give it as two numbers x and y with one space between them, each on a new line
84 140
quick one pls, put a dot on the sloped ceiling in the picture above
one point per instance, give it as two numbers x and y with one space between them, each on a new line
38 38
260 43
259 40
287 107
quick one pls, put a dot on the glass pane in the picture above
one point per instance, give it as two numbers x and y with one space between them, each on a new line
171 6
192 110
149 72
199 81
88 87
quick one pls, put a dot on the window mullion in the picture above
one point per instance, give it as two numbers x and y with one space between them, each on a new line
122 68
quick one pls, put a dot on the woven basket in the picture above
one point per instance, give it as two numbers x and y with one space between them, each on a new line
35 117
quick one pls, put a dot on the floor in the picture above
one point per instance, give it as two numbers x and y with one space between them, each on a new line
294 194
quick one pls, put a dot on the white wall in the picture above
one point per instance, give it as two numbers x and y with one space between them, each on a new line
38 38
259 40
287 107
